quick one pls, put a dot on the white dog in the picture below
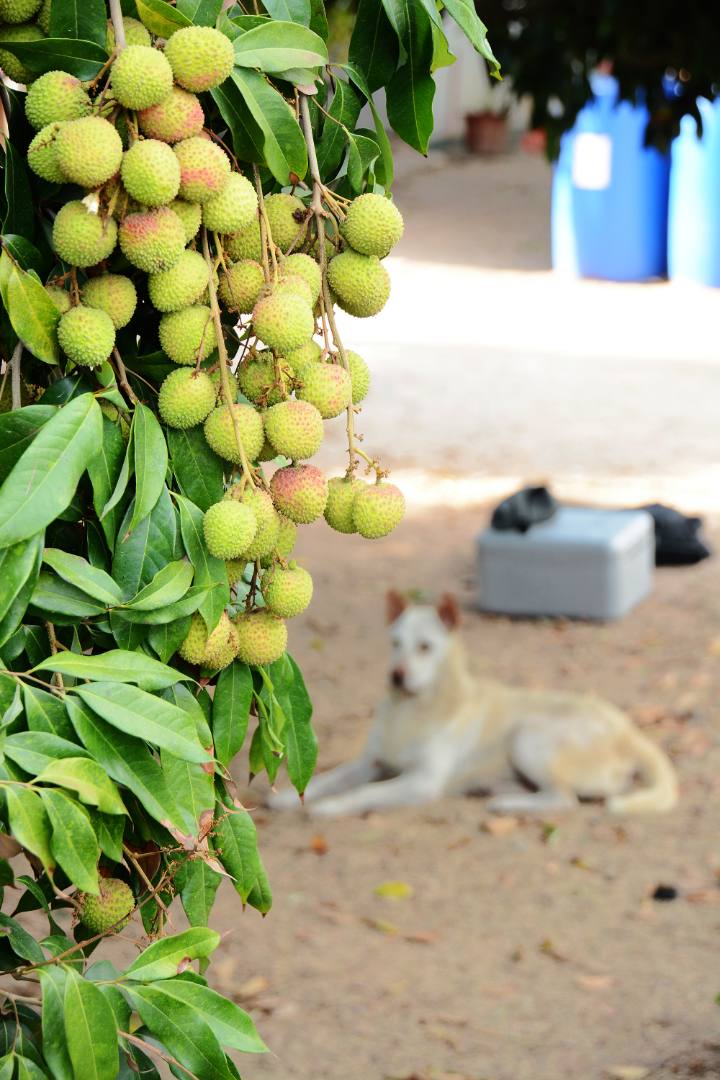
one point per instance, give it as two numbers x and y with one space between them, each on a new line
442 732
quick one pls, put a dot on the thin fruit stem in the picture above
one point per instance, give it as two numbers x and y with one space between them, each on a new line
118 25
57 677
266 240
122 377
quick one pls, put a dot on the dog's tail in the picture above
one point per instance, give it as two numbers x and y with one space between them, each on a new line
655 767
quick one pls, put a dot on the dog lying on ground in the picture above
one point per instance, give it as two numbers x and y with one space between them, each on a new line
441 732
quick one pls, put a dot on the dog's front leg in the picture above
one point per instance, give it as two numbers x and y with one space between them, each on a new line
408 789
343 778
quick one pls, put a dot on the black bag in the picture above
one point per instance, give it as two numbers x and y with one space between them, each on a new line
676 537
524 509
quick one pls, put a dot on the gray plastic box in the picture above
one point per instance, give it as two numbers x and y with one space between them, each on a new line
584 563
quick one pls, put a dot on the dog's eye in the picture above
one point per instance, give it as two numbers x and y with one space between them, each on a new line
425 646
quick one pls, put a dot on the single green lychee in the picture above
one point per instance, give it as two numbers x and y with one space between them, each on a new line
18 11
235 570
186 398
60 297
188 335
181 285
200 56
86 335
299 492
152 240
328 387
193 647
261 636
268 522
43 18
114 294
378 509
135 34
190 214
141 77
150 172
178 116
373 225
246 244
283 321
233 208
360 283
221 646
89 151
228 527
204 168
42 154
359 376
110 910
82 237
56 95
264 380
294 428
341 499
240 286
304 266
286 215
220 432
286 592
12 67
292 285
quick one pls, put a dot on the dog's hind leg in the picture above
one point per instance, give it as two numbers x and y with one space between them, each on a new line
343 778
532 802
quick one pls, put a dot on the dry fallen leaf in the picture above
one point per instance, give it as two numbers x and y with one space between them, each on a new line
595 982
548 949
627 1072
394 890
380 924
500 826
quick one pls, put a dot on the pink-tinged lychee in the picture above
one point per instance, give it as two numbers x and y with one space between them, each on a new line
299 492
204 169
152 240
178 116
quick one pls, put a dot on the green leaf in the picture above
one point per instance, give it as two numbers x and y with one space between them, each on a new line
21 942
43 481
197 884
20 215
88 780
182 1030
235 841
277 46
32 314
193 788
19 569
161 18
129 762
141 714
209 571
90 1030
115 665
247 136
104 471
200 12
232 1026
33 751
55 1051
386 174
363 152
411 90
18 429
297 11
85 19
373 45
165 958
150 463
109 829
7 1066
29 823
52 594
24 253
46 712
190 603
117 494
199 472
465 15
84 59
166 639
27 1069
167 587
78 572
344 110
231 710
300 742
139 555
73 844
283 146
197 708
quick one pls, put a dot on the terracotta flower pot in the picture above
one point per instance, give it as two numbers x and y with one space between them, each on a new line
485 133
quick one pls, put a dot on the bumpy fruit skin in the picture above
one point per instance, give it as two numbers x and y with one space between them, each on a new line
287 593
135 34
14 68
378 509
233 208
240 286
188 335
221 645
204 168
294 428
298 359
178 116
151 173
262 637
201 57
228 527
89 151
327 387
42 154
285 214
86 335
268 523
373 225
152 240
82 238
361 283
285 542
283 321
18 11
299 492
246 244
190 214
60 297
220 432
264 380
341 499
110 910
141 77
193 647
186 398
181 285
304 266
114 294
235 570
293 284
359 376
56 95
43 17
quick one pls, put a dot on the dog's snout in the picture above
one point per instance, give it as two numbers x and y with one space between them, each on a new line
397 677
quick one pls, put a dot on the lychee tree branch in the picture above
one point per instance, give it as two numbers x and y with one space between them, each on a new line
266 240
15 384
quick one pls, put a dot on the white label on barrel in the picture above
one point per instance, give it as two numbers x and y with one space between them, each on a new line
592 161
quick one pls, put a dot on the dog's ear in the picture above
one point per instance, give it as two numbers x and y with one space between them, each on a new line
395 604
449 611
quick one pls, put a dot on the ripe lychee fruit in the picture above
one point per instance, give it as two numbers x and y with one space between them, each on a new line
373 225
304 266
262 637
341 499
43 16
299 492
228 527
193 647
200 56
327 387
283 321
82 238
298 359
188 335
112 293
240 286
56 95
285 541
135 34
359 376
267 518
42 154
60 297
110 910
89 151
86 335
294 428
190 214
186 398
204 168
221 645
286 592
293 284
18 11
233 208
141 77
150 172
361 283
11 66
220 432
378 509
285 215
264 380
178 116
181 285
246 244
152 240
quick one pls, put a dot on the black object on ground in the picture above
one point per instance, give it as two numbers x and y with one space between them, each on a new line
676 537
524 509
665 893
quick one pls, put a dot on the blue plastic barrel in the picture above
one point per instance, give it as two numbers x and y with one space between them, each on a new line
694 212
610 193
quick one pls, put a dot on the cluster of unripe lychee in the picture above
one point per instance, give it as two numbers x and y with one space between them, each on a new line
168 214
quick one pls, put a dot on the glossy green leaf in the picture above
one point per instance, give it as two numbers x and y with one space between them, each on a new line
52 594
283 145
165 958
161 18
21 942
182 1030
73 843
88 780
122 480
231 710
198 708
45 712
33 751
193 788
78 572
342 117
199 472
190 603
373 45
166 639
411 90
17 431
29 823
90 1031
141 714
24 253
52 980
28 1069
465 15
84 59
43 482
20 214
209 571
386 173
141 553
300 742
104 470
150 452
109 829
84 19
200 12
167 587
277 46
247 135
32 314
197 884
297 11
115 665
235 842
19 569
363 152
232 1026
